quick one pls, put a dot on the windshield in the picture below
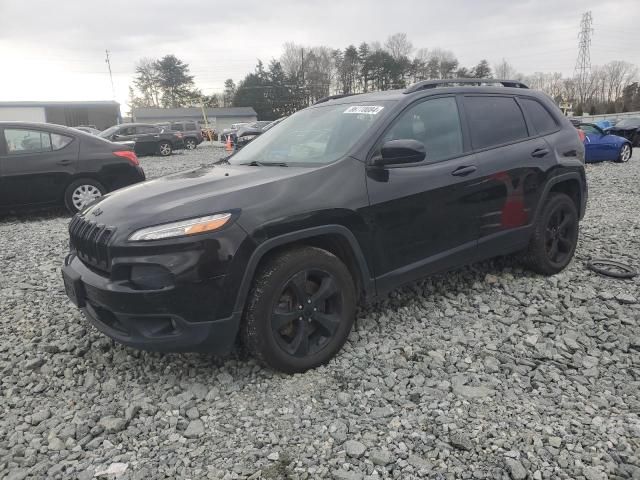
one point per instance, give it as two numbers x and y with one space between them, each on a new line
629 122
314 135
108 132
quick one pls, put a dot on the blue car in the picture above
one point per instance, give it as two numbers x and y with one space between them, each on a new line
601 146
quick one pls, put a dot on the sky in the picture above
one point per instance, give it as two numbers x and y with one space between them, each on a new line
55 49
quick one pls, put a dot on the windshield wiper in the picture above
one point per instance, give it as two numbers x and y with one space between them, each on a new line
256 163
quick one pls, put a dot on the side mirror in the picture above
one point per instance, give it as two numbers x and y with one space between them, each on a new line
400 151
115 137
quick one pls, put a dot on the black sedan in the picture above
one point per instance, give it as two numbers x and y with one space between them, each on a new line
628 128
149 139
43 164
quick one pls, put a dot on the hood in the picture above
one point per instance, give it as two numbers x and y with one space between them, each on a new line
193 193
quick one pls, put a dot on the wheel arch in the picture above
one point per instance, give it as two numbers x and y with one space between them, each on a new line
336 239
569 184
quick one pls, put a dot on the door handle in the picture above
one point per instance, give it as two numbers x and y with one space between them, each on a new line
64 162
539 152
464 171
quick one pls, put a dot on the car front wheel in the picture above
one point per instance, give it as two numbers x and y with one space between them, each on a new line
300 310
190 144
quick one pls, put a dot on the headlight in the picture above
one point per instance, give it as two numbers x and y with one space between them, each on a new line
181 228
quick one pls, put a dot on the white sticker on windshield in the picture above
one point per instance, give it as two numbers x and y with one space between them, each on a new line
366 109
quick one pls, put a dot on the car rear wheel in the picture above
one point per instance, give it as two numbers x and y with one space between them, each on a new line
625 153
82 192
555 236
190 144
165 149
300 310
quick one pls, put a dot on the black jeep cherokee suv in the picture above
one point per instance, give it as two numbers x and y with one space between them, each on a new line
342 201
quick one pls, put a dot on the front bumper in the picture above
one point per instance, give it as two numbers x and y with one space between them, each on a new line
160 320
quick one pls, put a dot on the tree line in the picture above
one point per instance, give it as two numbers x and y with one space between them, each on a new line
303 75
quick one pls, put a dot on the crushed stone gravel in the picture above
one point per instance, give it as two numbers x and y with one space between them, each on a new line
486 372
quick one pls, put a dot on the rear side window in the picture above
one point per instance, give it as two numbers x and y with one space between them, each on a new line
20 141
435 123
177 127
58 142
542 120
190 127
494 121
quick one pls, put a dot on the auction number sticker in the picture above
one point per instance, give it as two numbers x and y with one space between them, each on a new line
366 109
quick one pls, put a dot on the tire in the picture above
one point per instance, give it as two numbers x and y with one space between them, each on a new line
81 192
292 325
550 228
165 149
625 153
190 144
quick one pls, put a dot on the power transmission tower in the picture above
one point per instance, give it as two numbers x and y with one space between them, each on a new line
582 72
108 61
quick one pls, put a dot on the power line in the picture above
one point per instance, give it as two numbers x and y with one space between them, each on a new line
113 90
582 70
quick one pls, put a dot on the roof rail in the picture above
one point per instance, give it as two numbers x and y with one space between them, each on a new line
425 84
333 97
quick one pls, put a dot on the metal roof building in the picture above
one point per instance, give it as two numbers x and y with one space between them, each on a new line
102 114
218 118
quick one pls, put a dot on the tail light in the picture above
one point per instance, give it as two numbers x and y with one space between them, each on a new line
129 155
582 135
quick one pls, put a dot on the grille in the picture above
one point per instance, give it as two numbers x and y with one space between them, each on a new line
90 240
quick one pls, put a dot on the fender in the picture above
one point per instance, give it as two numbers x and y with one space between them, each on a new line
265 247
563 177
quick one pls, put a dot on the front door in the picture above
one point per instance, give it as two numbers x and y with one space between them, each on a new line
147 138
36 166
420 214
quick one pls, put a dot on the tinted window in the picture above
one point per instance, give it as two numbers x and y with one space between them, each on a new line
127 131
494 121
542 120
190 127
435 123
58 141
144 129
26 141
177 127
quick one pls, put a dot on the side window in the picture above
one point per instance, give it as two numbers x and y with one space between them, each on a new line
190 127
58 142
126 131
589 129
494 121
177 127
542 120
435 123
20 141
144 129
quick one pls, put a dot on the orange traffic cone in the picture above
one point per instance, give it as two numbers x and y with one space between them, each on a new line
228 147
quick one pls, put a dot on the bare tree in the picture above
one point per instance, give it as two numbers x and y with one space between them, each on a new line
619 74
505 70
398 45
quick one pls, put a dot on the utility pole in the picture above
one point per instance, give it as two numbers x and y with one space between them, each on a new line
108 61
583 63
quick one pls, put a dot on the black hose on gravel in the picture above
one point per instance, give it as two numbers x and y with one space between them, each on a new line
611 268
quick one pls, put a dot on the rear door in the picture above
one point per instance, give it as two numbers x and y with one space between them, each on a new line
147 139
512 161
36 165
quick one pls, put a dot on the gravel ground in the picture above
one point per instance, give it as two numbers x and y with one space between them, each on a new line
487 372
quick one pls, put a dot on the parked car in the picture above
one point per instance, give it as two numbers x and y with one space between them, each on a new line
191 132
91 130
149 139
628 128
231 132
43 164
250 132
341 202
601 146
